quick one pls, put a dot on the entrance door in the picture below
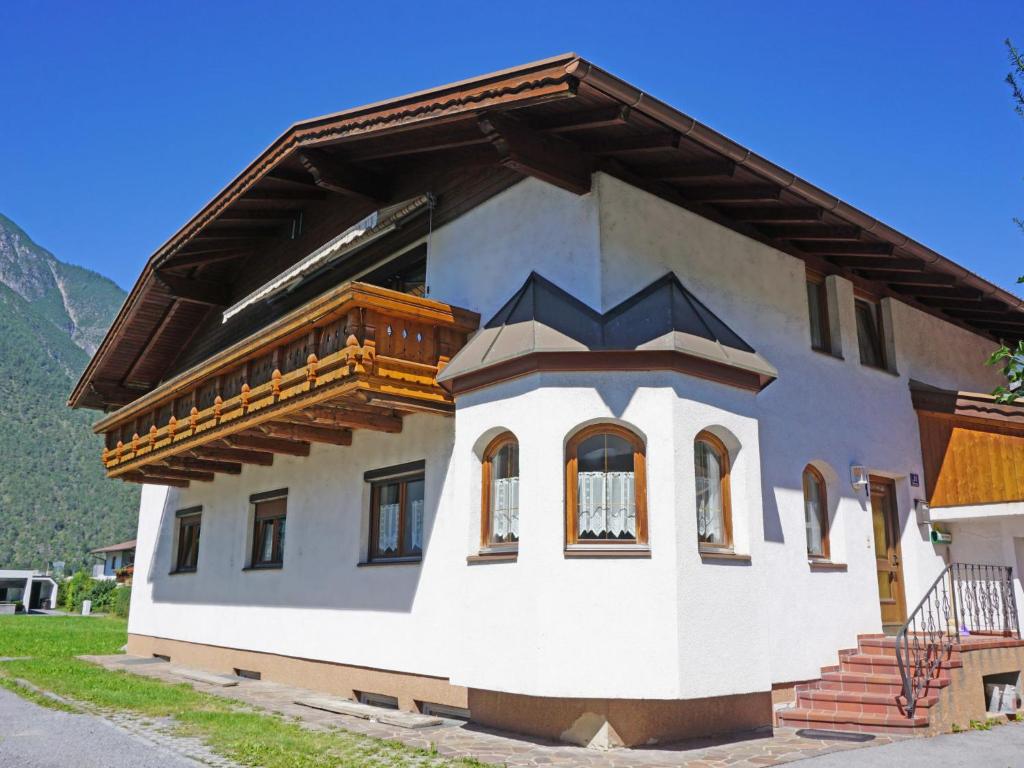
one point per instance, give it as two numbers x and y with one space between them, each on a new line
885 521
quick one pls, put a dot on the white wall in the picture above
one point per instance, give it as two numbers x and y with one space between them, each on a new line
670 626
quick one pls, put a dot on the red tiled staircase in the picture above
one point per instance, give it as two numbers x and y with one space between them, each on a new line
864 693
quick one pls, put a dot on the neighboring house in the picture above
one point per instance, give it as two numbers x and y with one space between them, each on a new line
582 420
15 585
118 561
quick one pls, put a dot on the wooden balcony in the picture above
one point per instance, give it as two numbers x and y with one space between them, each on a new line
357 357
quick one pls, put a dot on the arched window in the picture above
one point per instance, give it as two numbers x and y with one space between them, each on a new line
711 469
499 523
815 513
605 483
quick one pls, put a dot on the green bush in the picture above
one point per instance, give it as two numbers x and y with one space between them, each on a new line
122 602
82 587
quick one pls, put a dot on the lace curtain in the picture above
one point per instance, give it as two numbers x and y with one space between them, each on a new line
607 505
388 527
505 509
710 512
416 524
813 515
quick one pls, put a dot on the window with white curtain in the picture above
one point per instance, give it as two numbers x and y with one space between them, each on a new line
815 513
711 472
396 518
500 525
605 477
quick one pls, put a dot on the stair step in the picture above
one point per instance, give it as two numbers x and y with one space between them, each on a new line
884 664
866 682
802 717
854 701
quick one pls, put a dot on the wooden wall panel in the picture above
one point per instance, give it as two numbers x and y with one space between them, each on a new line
968 464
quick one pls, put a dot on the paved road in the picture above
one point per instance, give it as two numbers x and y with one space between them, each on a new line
36 737
1002 747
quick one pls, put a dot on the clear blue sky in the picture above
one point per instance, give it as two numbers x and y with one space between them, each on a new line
119 120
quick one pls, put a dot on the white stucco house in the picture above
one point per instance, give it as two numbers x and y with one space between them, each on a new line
582 420
117 561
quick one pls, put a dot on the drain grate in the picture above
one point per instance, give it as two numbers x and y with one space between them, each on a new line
817 733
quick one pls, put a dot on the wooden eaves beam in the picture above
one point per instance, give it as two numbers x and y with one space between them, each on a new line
185 259
601 117
746 193
139 477
909 278
811 231
859 248
195 290
307 432
875 262
204 465
548 158
622 145
331 174
346 418
776 214
218 450
268 444
693 169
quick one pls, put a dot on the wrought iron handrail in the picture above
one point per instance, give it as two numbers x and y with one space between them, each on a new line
965 599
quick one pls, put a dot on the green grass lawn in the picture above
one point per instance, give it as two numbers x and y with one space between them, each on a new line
230 729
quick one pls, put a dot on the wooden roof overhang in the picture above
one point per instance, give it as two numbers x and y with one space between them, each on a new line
557 120
356 357
968 408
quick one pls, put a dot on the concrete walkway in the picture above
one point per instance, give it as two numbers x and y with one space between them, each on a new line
455 740
1002 747
32 736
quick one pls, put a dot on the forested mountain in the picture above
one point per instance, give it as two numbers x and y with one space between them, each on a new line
55 503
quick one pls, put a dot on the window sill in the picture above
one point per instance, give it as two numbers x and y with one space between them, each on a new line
495 556
180 571
607 550
825 565
880 369
828 353
390 561
270 567
711 555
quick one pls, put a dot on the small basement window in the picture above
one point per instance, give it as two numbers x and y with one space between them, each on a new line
1002 692
378 700
248 674
161 656
444 711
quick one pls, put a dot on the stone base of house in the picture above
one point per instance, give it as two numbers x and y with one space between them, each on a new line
598 723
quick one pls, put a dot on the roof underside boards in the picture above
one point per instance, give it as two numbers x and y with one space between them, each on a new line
556 120
541 318
122 547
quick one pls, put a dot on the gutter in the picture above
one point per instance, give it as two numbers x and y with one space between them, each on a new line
661 112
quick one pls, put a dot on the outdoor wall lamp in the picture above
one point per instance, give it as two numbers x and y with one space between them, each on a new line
859 476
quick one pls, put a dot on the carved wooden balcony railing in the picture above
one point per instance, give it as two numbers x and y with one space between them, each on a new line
357 357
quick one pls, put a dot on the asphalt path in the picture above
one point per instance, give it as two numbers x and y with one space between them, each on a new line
32 736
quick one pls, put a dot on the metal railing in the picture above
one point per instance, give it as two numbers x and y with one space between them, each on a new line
966 599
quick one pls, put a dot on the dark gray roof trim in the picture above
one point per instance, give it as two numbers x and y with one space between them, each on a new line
543 321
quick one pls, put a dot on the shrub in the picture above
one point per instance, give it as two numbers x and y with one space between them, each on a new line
122 602
82 587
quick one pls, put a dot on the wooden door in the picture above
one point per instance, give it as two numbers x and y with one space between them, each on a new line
885 521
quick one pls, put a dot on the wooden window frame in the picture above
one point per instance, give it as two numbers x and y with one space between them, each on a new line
720 448
818 282
187 518
276 560
876 308
819 479
373 554
572 488
487 543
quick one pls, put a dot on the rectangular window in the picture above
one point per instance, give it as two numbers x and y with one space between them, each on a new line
817 308
269 515
869 333
396 517
189 524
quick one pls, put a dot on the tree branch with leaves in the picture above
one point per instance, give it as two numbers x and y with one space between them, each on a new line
1012 358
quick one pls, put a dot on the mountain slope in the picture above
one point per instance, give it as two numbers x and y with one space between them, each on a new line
55 503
